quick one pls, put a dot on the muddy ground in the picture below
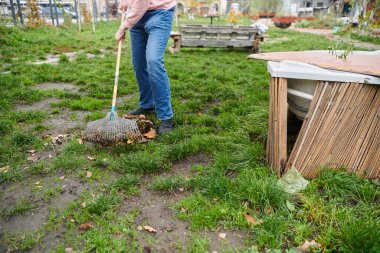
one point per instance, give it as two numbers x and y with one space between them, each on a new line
155 208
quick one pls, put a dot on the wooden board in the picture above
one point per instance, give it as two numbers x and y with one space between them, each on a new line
356 63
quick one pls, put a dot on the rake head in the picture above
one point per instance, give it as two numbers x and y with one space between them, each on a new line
111 129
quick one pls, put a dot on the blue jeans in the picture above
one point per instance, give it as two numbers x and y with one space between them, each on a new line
149 38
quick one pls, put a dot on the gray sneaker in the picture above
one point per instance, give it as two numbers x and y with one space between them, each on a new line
142 111
165 126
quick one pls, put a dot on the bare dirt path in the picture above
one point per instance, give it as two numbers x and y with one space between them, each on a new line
329 34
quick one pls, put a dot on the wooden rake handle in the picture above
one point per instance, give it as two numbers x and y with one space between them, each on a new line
117 70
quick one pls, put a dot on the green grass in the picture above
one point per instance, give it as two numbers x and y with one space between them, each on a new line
220 102
21 207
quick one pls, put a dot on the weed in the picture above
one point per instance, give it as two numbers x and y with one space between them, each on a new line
198 244
21 207
127 184
102 203
171 183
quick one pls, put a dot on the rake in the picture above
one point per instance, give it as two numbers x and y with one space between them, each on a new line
112 129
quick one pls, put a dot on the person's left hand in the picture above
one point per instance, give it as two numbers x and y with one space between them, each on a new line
120 35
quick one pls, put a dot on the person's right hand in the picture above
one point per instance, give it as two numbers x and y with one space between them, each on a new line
123 5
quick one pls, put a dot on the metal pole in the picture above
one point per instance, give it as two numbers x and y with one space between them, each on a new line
51 12
96 11
56 12
76 10
20 12
107 11
79 15
93 17
13 12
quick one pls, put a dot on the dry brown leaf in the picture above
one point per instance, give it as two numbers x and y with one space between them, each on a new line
5 169
31 159
151 134
85 226
90 158
88 174
181 189
252 220
80 141
150 229
222 235
129 141
63 177
309 246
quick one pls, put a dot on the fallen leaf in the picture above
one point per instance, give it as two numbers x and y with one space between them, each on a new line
290 206
252 220
5 169
63 177
80 141
183 210
139 228
129 141
150 229
38 182
50 156
309 246
31 158
90 158
69 250
151 134
222 235
181 189
85 226
89 174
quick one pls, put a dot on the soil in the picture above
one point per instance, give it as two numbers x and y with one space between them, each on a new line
53 59
32 220
56 86
156 210
331 36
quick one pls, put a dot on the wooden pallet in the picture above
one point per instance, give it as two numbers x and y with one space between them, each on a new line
341 130
216 36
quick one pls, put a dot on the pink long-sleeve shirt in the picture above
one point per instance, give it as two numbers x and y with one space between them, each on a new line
139 7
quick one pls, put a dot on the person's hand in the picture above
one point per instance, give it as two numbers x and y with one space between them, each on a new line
123 5
120 35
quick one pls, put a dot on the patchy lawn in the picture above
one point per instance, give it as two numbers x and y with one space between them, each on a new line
203 187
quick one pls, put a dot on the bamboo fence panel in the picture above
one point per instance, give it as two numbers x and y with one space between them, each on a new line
341 129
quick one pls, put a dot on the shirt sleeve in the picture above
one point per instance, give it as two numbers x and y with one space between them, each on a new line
137 10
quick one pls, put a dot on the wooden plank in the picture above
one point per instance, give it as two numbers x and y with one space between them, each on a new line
357 63
215 43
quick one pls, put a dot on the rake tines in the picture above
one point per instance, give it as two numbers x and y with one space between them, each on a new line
112 130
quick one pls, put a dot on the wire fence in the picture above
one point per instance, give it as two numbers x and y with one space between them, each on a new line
52 12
